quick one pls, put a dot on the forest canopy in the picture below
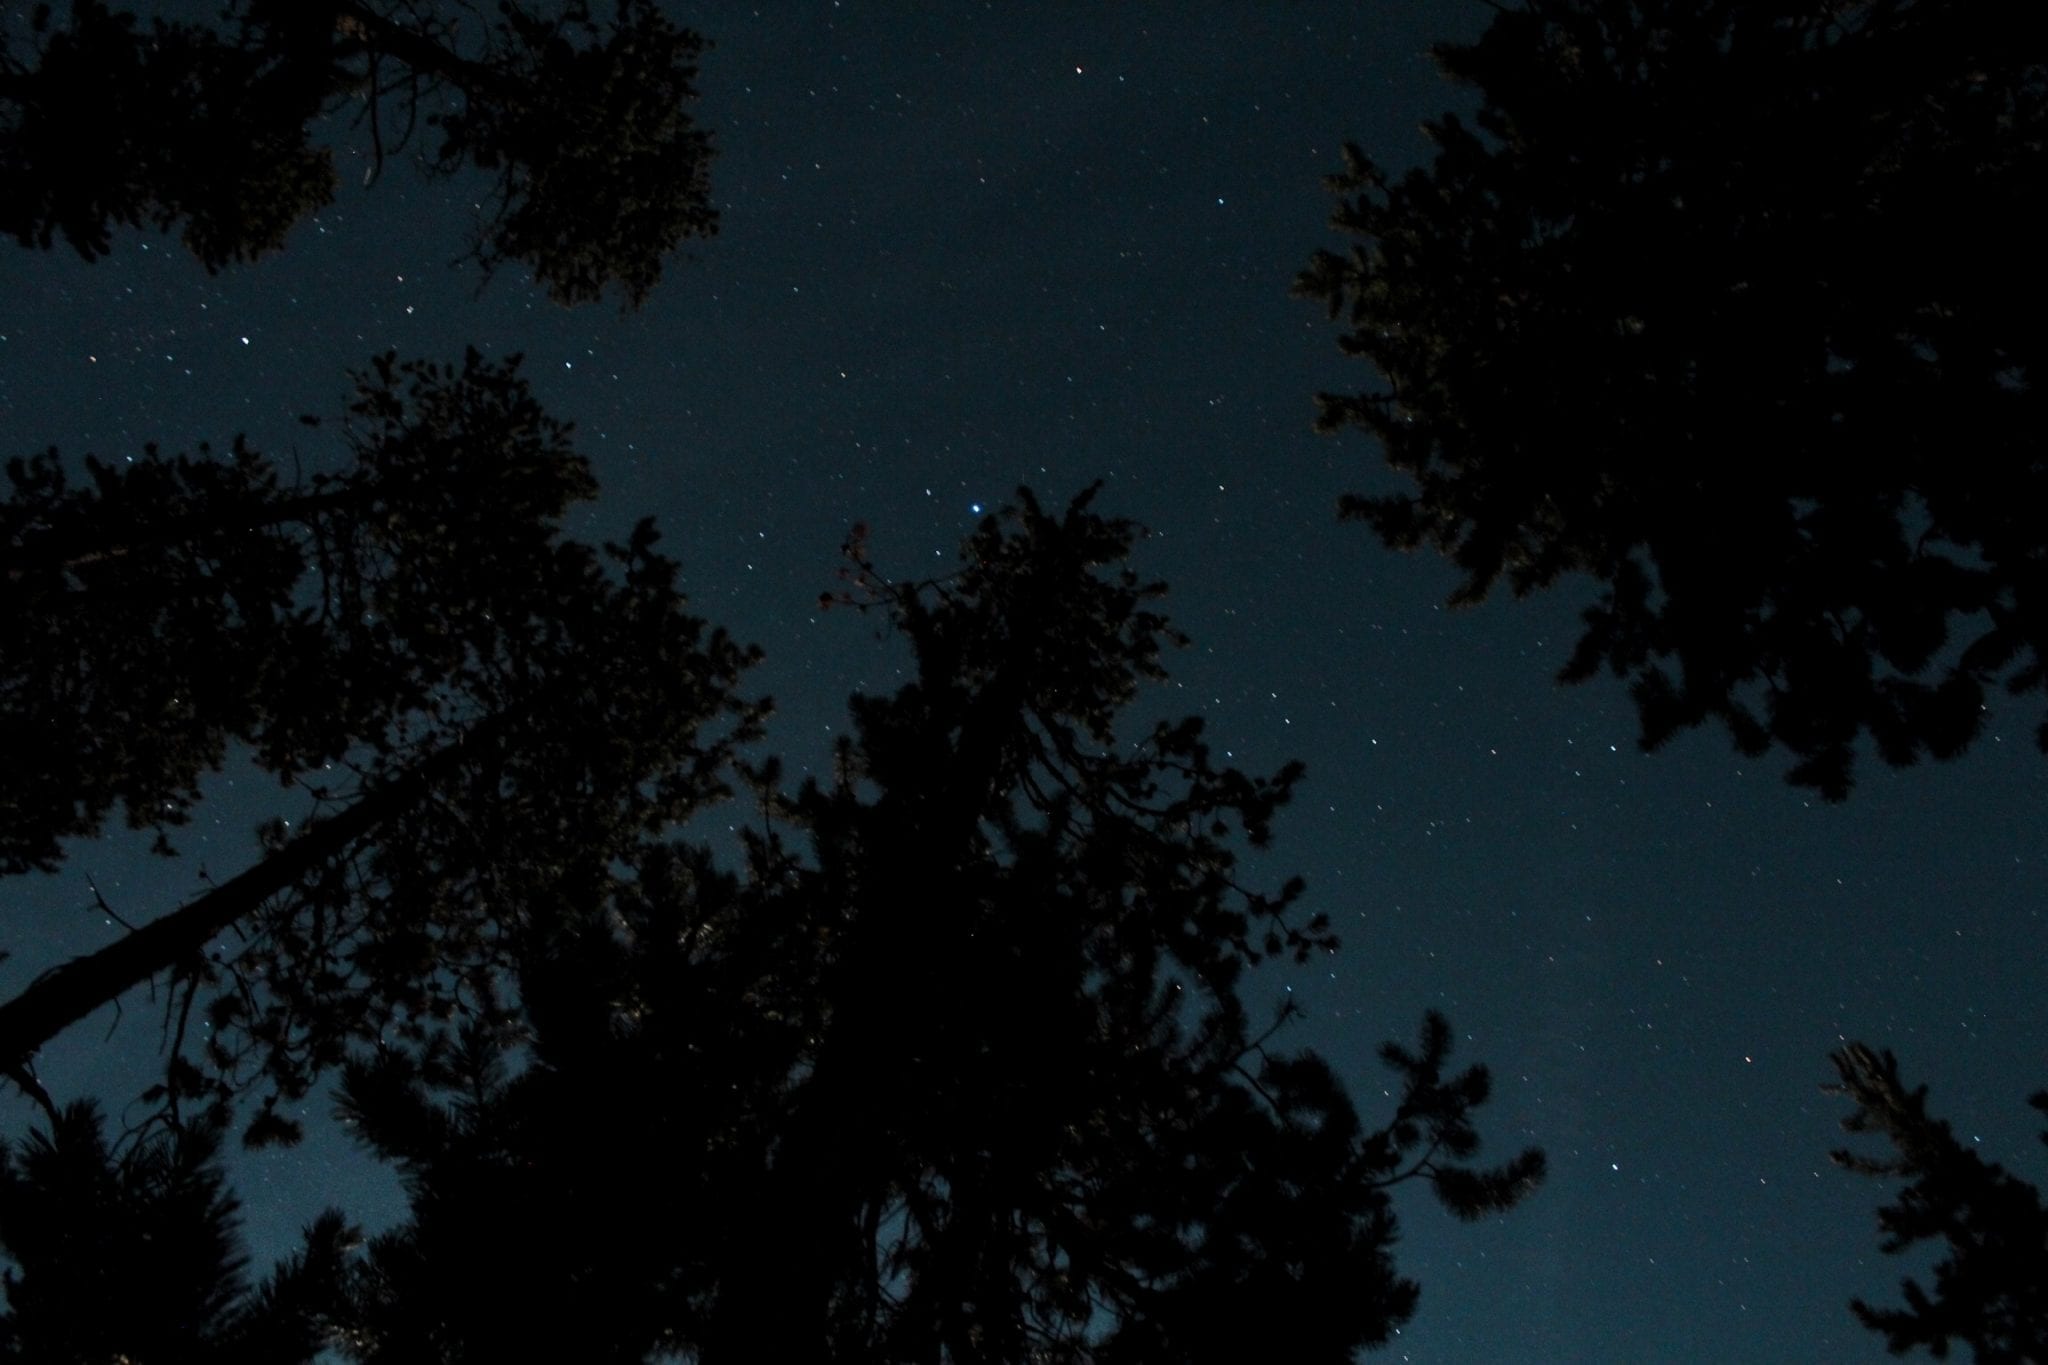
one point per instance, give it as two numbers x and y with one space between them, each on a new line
973 1041
1731 307
961 1041
582 125
953 1044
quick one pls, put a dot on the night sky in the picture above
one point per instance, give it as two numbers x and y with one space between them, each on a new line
981 246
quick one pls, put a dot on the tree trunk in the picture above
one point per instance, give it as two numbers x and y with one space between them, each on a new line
67 994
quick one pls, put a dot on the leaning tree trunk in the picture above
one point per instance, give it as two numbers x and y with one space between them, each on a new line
67 994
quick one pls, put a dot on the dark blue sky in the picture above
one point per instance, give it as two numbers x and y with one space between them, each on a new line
967 247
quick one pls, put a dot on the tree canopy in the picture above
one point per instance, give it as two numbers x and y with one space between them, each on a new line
160 607
957 1068
477 709
1990 1288
954 1064
150 1228
950 1061
1731 306
599 171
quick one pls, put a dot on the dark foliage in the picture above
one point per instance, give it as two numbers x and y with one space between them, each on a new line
1991 1286
574 1209
1732 306
482 712
582 125
131 1254
600 170
117 125
968 1078
161 607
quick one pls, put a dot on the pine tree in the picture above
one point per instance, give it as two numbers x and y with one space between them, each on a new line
583 126
1731 306
161 608
1990 1288
959 1069
482 712
132 1253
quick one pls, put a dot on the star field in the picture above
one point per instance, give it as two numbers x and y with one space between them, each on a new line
968 248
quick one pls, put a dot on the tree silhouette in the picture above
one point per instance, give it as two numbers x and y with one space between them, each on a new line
966 1078
160 608
1991 1288
132 1254
453 673
599 170
569 1197
1732 307
482 711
